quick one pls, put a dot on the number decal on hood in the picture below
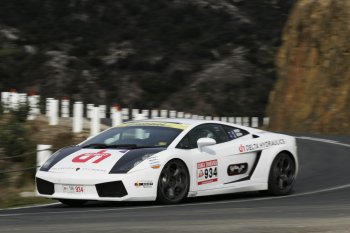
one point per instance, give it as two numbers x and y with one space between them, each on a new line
83 158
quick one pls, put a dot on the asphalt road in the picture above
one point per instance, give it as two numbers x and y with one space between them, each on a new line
320 203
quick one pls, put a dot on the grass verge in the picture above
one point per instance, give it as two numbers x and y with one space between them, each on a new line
10 196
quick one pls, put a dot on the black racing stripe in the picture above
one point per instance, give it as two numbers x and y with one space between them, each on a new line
58 156
127 161
251 172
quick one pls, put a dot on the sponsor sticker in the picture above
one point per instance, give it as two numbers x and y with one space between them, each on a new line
144 184
155 123
238 132
207 172
154 162
232 134
260 145
237 169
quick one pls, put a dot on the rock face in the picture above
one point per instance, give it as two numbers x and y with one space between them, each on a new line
312 93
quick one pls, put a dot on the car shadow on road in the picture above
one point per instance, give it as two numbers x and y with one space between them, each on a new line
192 200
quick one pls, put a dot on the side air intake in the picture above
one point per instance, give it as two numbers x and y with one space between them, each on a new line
45 187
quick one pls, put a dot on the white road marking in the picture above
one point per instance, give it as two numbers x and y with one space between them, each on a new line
30 206
324 140
322 190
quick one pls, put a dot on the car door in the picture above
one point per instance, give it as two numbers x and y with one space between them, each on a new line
208 161
238 164
219 164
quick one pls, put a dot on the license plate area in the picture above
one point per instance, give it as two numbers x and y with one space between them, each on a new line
73 189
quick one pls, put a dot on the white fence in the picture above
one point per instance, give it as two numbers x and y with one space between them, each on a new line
56 109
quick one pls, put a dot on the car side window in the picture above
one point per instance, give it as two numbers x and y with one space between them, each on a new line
214 131
184 143
233 132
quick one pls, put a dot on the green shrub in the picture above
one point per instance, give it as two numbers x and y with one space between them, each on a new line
20 114
14 138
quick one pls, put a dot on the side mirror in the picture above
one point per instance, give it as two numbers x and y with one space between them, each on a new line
203 142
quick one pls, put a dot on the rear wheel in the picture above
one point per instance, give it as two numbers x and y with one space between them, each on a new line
174 182
74 203
282 175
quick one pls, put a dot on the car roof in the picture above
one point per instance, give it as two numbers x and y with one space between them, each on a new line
188 122
194 122
178 121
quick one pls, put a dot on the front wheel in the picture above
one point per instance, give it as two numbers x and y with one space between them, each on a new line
282 175
173 183
73 203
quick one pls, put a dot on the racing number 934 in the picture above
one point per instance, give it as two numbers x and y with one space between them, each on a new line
207 172
210 172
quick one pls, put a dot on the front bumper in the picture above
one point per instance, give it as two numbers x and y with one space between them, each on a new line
101 187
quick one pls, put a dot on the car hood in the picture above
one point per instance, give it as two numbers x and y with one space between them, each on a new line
87 160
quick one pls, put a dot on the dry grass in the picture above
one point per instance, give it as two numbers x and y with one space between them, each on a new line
10 195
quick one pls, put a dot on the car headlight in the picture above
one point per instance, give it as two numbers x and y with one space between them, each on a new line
146 156
133 158
124 167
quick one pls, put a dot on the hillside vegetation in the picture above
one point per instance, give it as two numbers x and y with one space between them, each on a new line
312 93
202 56
18 140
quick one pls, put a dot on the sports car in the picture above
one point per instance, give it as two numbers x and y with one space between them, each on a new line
169 160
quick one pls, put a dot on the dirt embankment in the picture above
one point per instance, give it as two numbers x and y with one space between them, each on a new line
312 93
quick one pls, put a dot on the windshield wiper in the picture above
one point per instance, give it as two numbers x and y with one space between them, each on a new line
135 146
126 146
96 145
122 146
103 146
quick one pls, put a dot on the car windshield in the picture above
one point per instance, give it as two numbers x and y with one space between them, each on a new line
130 137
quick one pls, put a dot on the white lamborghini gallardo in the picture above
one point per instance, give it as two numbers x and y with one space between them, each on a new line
168 160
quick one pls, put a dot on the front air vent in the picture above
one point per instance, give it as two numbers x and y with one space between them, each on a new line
45 187
111 189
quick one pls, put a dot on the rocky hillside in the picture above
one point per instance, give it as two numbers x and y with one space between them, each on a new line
313 89
202 56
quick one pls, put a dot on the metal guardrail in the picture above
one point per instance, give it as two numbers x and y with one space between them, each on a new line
24 169
16 156
19 156
26 154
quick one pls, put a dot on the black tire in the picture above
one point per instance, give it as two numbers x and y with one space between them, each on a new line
73 203
282 175
173 183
